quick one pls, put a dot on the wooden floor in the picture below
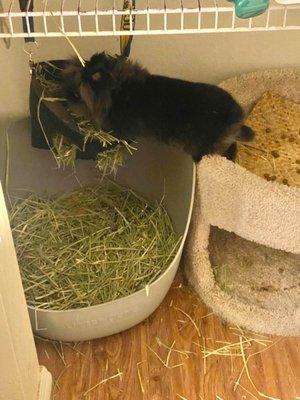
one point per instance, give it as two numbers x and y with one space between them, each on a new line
136 372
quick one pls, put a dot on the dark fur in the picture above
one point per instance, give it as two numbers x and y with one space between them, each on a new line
124 98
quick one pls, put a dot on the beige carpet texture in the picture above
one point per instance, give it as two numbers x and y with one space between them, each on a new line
243 251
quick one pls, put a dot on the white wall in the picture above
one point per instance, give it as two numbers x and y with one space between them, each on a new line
199 57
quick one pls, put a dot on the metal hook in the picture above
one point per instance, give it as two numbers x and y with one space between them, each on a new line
30 48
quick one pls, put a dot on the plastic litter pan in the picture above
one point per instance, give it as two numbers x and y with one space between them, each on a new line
153 171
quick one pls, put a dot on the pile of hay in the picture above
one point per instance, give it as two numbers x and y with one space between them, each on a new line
275 152
91 246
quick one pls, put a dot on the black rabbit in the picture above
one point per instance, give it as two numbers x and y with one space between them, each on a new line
126 99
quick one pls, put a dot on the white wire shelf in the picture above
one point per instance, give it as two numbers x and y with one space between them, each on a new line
149 17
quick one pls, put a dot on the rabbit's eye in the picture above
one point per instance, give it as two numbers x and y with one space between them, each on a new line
74 96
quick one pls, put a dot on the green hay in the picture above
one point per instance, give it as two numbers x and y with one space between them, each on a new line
50 85
65 152
91 132
91 246
109 161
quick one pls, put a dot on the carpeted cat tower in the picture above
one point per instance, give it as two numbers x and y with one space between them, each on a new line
243 252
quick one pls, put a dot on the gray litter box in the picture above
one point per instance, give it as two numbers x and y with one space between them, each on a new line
153 170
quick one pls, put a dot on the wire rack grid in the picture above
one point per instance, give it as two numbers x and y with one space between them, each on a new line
145 17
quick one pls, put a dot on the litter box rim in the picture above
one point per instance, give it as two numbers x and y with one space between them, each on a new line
167 270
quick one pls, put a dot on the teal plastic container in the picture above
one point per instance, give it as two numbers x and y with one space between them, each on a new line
250 8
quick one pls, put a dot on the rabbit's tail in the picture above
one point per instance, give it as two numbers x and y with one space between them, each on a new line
235 133
244 134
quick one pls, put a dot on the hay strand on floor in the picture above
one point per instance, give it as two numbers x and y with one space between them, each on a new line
245 367
164 363
181 397
117 375
191 319
140 376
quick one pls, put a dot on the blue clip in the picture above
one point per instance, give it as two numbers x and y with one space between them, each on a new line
250 8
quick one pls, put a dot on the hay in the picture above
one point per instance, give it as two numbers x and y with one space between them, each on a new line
181 397
191 320
245 367
108 161
58 347
275 152
171 349
89 247
56 385
248 392
52 86
140 376
164 363
232 349
117 375
91 132
42 127
65 152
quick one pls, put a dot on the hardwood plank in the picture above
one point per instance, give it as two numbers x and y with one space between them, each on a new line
275 371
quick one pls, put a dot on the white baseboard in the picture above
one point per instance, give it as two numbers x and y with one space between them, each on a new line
45 388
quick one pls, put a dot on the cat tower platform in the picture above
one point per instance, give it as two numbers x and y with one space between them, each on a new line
243 252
